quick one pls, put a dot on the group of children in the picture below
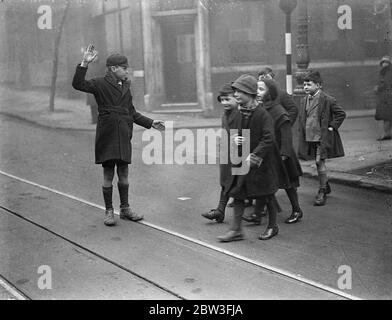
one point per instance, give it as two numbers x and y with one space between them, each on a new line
253 106
269 113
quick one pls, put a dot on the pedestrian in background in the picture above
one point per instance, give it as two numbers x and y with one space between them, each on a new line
319 120
230 106
114 128
264 162
384 94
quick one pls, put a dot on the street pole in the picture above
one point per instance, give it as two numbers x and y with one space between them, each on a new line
303 57
287 7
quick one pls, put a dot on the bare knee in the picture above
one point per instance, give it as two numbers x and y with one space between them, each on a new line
108 174
122 173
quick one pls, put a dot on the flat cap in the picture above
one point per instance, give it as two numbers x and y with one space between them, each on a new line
117 60
225 90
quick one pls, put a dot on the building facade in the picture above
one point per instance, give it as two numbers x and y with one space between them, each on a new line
182 51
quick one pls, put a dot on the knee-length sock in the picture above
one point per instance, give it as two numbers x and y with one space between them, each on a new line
107 197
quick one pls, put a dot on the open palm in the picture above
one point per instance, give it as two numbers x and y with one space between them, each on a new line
90 54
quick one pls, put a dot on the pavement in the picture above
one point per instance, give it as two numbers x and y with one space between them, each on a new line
367 162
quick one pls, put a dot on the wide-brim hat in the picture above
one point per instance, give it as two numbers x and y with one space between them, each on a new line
246 83
225 90
386 59
117 60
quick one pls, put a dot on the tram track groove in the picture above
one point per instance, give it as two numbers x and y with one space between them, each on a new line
278 271
93 253
13 289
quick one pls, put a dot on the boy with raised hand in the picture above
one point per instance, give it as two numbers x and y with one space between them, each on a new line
116 115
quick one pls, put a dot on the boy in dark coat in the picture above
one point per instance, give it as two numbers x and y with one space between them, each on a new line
230 105
255 142
319 120
114 128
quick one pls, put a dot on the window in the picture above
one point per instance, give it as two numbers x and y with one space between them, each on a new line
240 25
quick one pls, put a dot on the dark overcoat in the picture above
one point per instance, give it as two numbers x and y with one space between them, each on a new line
287 101
384 94
284 140
224 165
116 115
269 177
330 114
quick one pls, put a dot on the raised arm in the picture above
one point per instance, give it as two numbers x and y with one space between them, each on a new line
79 82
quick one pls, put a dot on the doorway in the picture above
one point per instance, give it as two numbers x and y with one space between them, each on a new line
179 62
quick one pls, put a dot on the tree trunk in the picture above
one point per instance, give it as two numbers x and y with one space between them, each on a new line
56 57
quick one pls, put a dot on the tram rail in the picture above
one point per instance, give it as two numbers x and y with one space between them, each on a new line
278 271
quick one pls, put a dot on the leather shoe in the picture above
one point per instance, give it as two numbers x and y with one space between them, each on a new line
255 218
269 233
321 197
295 217
231 236
384 138
109 218
214 214
128 214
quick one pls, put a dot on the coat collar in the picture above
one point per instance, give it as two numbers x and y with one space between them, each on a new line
268 104
321 103
229 117
110 78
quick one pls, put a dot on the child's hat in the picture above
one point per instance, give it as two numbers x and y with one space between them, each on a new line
266 70
386 59
225 90
246 83
117 60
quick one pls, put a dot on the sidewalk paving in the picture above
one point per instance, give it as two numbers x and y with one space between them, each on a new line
359 133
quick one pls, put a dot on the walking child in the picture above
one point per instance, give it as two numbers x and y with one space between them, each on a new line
116 115
267 96
319 120
256 146
230 105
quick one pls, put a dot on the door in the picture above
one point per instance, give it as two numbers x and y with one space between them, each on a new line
178 47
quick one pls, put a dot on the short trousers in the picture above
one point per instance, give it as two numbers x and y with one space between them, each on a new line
112 163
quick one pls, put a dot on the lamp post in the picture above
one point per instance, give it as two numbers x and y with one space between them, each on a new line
287 7
303 58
